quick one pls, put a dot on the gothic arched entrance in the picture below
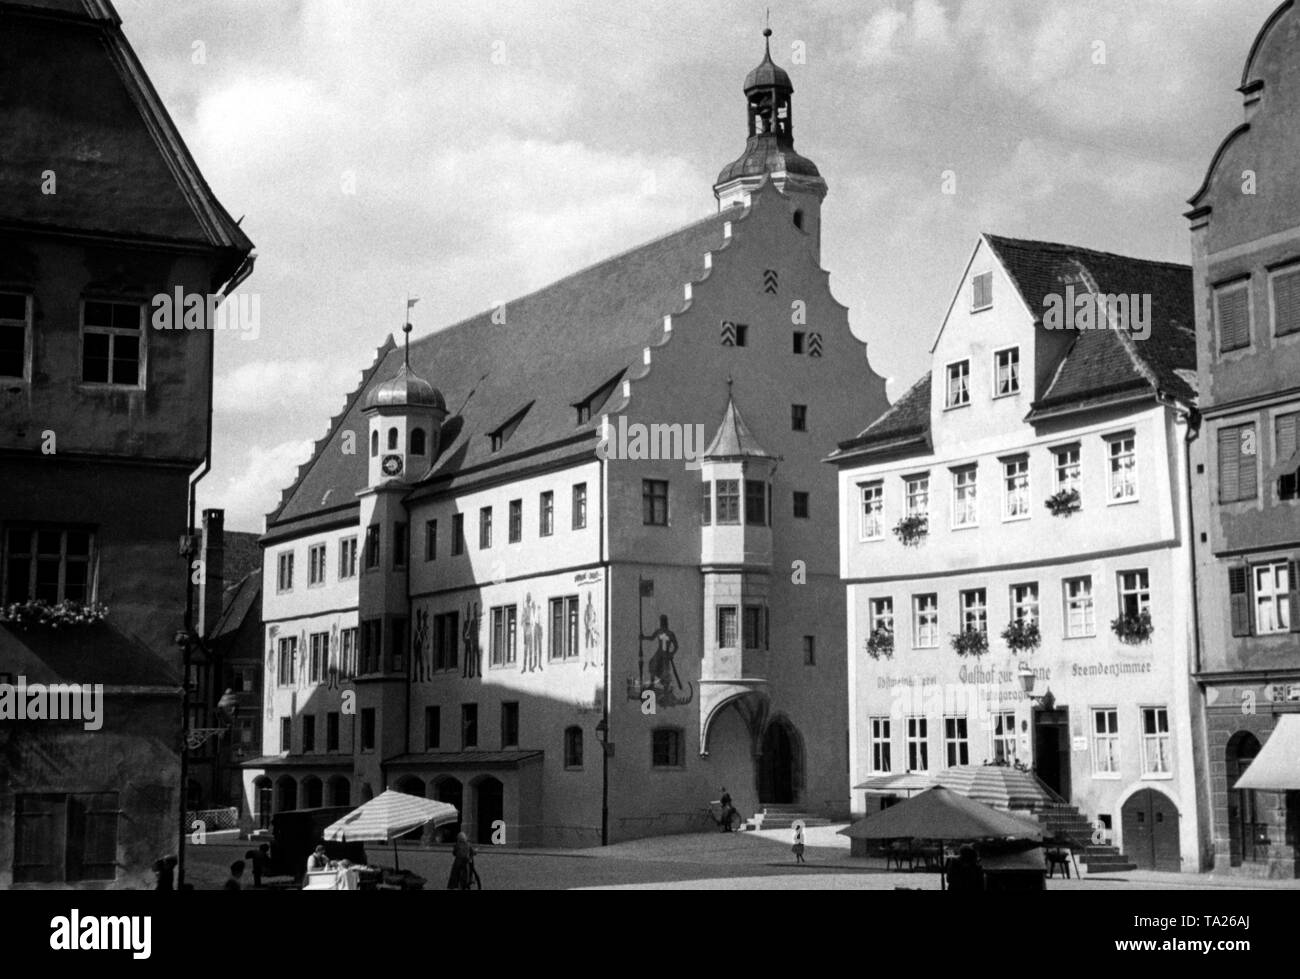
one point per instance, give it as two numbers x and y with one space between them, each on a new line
780 768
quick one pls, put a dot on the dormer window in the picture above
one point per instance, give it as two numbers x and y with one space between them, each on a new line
500 436
981 289
589 405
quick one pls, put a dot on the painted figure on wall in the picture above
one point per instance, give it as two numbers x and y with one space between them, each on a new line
528 634
302 658
473 666
419 662
662 678
590 634
270 673
332 672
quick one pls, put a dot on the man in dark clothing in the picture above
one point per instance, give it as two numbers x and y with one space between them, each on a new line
726 810
234 883
965 872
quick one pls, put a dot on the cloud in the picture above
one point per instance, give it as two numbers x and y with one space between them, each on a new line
253 483
264 386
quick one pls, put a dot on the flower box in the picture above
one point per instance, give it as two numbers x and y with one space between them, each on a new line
880 643
1133 629
40 614
912 530
1023 635
971 642
1064 503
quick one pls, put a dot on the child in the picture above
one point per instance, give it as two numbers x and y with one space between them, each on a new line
798 852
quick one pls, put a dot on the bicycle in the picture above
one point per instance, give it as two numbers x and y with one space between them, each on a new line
725 822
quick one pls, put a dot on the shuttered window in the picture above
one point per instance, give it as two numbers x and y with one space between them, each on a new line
1239 599
1238 479
1286 301
1287 428
1232 312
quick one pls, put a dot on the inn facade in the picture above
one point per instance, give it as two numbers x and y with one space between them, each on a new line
102 423
1022 509
491 603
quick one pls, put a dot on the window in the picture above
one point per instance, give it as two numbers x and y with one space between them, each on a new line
956 743
1006 372
65 838
881 753
573 747
1015 488
318 658
504 621
374 444
1123 469
446 635
510 724
974 611
1155 741
1105 741
1080 619
728 637
469 725
882 614
347 558
372 634
372 547
308 733
316 565
458 533
1004 737
15 324
348 651
796 346
288 648
965 507
111 343
400 545
925 621
981 291
728 501
1024 602
918 496
392 439
1238 479
430 540
809 650
397 642
332 731
755 503
516 528
1285 285
1066 468
1287 453
958 393
799 418
564 627
546 514
706 503
734 334
417 441
49 564
1134 593
286 735
284 572
918 748
1273 597
484 527
580 506
432 728
873 512
666 748
367 729
654 502
801 505
754 627
1232 314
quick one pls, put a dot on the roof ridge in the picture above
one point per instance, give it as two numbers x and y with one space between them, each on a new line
1063 246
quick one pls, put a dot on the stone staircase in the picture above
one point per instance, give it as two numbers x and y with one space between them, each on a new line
782 817
1063 821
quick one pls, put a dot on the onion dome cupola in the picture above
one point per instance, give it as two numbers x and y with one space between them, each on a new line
769 149
406 413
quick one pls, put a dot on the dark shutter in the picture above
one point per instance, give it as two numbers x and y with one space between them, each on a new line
1239 599
1286 436
1293 582
1229 465
38 839
1233 310
1286 303
1247 469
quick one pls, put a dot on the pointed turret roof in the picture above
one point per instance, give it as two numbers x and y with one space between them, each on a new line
734 440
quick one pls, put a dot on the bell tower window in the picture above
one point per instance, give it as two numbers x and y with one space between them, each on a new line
392 438
374 444
417 442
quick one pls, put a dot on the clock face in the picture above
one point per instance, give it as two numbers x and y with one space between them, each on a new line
392 465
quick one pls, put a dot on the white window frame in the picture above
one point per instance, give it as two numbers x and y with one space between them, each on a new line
1024 608
26 324
284 572
880 746
1087 603
1013 372
957 744
1276 597
1128 439
1159 741
1073 464
1106 757
882 613
975 605
347 558
971 501
141 334
918 742
917 492
948 402
1023 489
1002 735
1139 589
921 632
316 565
872 497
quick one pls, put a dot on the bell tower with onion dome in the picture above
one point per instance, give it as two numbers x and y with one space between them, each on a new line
769 150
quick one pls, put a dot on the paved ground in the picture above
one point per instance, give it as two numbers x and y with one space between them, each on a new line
707 861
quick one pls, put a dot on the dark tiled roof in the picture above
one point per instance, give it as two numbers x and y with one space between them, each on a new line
239 600
908 418
79 103
734 440
1102 362
243 556
557 346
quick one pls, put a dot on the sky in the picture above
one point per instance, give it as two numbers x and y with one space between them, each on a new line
467 152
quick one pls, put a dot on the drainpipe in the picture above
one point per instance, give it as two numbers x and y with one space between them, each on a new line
604 745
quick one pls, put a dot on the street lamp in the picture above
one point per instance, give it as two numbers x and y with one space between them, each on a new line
1026 677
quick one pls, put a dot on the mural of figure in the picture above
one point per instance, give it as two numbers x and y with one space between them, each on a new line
590 634
528 634
537 636
662 668
473 664
302 658
332 673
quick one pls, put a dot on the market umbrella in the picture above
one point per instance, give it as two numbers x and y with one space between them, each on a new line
387 816
999 786
945 816
899 783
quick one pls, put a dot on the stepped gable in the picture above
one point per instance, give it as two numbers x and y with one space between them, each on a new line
555 348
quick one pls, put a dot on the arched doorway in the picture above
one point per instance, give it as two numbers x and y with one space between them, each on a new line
313 793
780 772
286 790
340 792
489 806
1244 828
450 791
1150 822
262 796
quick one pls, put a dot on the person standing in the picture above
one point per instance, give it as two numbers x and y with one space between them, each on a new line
318 861
797 849
235 881
462 854
166 880
727 810
965 873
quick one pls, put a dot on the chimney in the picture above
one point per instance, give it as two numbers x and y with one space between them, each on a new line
214 570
